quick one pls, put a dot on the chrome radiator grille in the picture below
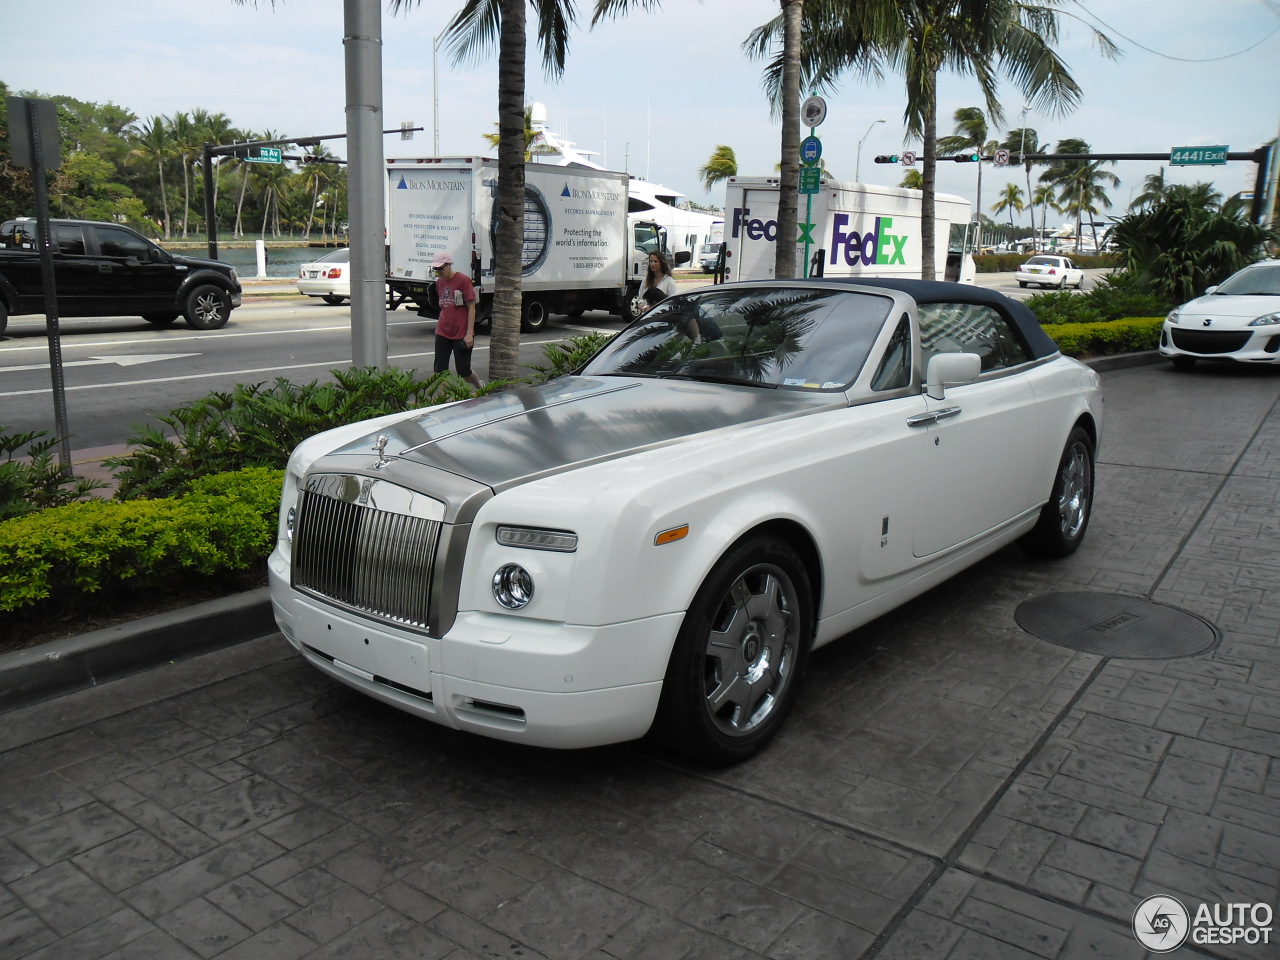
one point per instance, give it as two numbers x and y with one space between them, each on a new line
374 561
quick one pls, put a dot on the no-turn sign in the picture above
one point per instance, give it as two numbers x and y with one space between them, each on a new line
1002 157
909 159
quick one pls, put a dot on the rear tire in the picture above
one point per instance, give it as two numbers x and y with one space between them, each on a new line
207 307
1022 283
333 299
533 315
4 318
738 660
1183 363
1065 518
160 319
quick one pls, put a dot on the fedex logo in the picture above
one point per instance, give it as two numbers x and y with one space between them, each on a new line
875 246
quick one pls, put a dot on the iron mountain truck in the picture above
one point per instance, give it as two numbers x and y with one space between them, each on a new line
581 250
109 270
861 230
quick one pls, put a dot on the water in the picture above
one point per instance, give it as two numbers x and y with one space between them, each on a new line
282 262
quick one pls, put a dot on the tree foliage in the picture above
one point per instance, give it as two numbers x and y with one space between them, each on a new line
1185 242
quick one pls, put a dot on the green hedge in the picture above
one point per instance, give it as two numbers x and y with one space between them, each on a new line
1009 262
227 522
1106 337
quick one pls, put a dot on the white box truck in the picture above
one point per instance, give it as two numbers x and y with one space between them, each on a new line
860 230
580 250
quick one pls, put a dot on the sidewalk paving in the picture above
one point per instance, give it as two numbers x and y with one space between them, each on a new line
949 787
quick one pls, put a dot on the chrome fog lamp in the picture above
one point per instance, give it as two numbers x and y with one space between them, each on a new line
288 523
512 586
537 538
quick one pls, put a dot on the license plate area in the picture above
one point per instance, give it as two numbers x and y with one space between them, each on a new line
369 653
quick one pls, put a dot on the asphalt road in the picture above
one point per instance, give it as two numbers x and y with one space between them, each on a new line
122 372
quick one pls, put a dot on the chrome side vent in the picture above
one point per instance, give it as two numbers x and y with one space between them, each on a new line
374 561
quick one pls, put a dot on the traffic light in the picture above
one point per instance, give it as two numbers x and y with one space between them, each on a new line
888 158
967 157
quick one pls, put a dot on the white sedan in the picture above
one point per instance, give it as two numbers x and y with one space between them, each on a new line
328 278
1237 320
1050 271
747 472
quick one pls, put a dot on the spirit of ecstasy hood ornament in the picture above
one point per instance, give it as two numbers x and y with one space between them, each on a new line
379 447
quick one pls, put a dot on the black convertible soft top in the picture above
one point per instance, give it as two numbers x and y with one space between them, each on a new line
943 291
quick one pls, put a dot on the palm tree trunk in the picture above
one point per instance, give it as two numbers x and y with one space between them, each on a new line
164 199
784 264
928 225
186 195
504 340
244 185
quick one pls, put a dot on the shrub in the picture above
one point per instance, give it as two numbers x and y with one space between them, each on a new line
1111 299
1009 262
64 554
33 481
260 424
569 356
1107 337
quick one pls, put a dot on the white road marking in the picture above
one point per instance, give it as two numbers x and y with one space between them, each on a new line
123 361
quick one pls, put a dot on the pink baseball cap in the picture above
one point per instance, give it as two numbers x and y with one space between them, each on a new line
441 260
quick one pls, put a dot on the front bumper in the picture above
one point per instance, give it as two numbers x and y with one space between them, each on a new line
1246 345
544 684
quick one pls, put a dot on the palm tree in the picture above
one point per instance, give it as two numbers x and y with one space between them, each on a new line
156 146
921 38
1023 142
184 134
216 128
784 82
317 174
721 165
1046 197
1154 186
1011 200
479 25
913 179
970 135
495 139
1080 184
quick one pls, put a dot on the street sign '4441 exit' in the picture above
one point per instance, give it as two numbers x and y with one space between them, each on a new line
1190 156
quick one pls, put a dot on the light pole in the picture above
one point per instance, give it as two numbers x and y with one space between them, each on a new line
857 170
435 91
1022 153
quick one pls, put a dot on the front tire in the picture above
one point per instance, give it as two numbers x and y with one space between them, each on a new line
207 307
1065 518
4 317
740 655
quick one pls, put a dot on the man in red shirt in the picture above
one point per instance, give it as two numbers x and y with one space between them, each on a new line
456 328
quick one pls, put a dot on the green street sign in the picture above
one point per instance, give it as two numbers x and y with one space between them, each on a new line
266 155
809 179
1197 156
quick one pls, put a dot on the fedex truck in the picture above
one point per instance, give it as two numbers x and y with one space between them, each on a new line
581 251
859 230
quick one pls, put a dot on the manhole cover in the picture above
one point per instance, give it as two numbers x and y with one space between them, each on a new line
1117 626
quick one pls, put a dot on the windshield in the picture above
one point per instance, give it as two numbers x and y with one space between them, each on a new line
791 338
1255 281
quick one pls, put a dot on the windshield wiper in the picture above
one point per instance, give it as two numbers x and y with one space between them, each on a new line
716 378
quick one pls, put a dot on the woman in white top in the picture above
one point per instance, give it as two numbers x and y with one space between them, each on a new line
658 279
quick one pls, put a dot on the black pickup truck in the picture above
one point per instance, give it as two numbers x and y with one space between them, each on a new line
108 270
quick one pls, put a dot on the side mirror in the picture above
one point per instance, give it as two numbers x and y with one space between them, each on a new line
1209 290
683 257
950 370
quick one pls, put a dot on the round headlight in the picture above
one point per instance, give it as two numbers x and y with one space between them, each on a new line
512 586
288 523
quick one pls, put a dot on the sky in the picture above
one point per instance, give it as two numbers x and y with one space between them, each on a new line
655 93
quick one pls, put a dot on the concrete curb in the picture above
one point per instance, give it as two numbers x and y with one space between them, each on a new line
74 663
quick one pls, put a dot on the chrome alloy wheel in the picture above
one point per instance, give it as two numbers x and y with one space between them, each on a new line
751 650
1077 483
208 306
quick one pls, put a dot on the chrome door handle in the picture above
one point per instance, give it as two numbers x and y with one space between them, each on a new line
933 416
